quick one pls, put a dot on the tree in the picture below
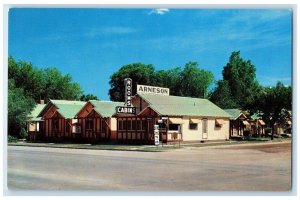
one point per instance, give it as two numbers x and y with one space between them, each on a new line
28 84
88 97
19 106
241 77
42 83
27 77
222 97
139 73
195 81
169 79
59 86
272 101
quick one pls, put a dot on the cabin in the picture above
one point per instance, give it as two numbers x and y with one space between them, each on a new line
238 123
257 124
35 123
177 119
59 119
96 121
284 125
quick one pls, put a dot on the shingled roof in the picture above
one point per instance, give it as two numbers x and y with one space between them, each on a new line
235 113
68 109
105 108
182 106
33 116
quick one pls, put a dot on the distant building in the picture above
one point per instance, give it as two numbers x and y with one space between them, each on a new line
238 122
35 124
257 124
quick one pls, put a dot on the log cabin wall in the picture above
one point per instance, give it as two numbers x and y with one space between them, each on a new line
94 128
137 129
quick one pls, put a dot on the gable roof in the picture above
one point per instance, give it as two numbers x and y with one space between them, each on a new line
105 108
68 109
256 116
182 106
35 112
235 113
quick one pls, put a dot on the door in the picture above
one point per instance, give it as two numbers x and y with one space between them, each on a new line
204 129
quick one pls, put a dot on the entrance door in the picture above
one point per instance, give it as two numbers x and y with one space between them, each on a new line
204 129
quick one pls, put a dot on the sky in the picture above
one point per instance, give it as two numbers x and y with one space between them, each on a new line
91 44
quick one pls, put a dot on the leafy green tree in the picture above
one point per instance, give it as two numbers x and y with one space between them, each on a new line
191 81
221 96
27 77
42 83
195 81
241 77
169 79
88 97
272 101
58 86
139 73
19 106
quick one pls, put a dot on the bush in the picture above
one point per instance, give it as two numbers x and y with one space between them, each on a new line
23 133
12 139
268 131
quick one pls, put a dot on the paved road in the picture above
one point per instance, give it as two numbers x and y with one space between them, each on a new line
230 168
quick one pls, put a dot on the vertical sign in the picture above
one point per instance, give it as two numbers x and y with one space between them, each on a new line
128 91
127 108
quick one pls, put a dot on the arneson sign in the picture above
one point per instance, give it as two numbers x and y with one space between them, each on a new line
152 89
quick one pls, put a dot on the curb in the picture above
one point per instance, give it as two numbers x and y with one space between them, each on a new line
155 148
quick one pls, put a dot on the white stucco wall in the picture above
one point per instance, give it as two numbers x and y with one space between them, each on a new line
113 123
214 133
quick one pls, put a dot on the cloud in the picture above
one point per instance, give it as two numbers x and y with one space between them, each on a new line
159 11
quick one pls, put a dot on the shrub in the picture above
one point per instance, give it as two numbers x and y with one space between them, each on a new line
11 139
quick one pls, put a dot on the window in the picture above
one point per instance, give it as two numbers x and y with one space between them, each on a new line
174 127
120 123
124 124
162 126
193 126
128 124
138 124
134 121
219 123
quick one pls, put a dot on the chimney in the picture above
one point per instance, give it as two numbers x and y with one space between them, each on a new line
42 101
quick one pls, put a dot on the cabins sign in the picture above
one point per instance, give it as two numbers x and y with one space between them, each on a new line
152 89
127 108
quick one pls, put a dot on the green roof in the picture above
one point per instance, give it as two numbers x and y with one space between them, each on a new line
105 108
35 112
235 113
256 116
68 109
183 106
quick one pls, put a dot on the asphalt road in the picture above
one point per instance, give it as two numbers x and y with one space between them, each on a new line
228 168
